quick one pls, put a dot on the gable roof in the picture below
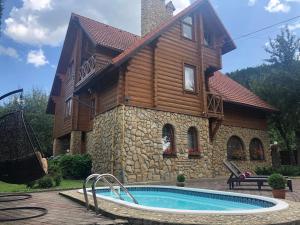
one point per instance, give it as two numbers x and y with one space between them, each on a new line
233 92
105 35
229 45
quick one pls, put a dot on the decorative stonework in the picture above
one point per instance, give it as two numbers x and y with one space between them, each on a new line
127 141
220 148
155 12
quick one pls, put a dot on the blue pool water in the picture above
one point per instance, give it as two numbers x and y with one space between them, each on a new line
188 200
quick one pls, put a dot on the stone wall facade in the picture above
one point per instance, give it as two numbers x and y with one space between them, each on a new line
127 141
246 134
75 142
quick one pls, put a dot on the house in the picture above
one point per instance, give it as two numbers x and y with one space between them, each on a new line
147 108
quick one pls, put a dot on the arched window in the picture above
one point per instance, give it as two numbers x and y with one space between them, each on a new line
235 149
256 149
168 140
193 148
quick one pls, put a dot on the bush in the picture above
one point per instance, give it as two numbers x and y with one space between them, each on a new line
277 181
284 170
45 182
180 178
30 184
75 166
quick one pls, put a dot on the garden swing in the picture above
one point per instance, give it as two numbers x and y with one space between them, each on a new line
21 158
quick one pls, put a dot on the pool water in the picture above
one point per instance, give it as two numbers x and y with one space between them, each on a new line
187 200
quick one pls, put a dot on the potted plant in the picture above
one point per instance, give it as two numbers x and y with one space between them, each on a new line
180 180
277 183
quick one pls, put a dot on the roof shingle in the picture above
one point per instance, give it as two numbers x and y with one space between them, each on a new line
233 92
105 35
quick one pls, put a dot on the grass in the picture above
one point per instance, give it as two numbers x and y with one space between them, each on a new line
65 184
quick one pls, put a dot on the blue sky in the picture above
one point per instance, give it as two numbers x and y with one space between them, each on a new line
33 32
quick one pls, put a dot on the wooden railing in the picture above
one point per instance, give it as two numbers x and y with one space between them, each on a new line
87 69
214 105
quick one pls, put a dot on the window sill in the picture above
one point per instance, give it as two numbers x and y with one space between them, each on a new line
195 156
190 92
169 156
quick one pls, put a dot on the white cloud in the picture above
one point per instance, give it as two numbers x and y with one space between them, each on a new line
294 26
251 2
277 6
37 4
8 51
37 58
44 22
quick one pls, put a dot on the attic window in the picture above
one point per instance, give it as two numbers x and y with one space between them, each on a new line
188 28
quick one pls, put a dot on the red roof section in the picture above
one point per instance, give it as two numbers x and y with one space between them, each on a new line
105 35
233 92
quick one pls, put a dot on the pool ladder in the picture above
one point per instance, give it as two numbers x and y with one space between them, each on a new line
96 177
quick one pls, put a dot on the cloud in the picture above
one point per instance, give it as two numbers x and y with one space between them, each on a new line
44 22
37 58
8 51
294 26
274 6
251 2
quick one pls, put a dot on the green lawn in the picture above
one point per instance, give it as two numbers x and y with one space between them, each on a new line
65 184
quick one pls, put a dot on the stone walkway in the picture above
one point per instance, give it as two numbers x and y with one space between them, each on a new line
61 211
65 211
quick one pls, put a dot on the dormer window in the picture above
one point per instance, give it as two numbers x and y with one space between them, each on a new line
188 28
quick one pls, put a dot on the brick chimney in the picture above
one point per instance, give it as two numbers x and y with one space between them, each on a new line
155 12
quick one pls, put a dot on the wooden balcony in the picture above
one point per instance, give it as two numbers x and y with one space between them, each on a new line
87 69
214 106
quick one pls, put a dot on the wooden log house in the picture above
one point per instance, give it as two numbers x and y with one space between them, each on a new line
148 108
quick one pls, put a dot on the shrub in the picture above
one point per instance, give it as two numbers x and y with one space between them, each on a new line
75 166
57 179
30 184
180 178
45 182
277 181
284 170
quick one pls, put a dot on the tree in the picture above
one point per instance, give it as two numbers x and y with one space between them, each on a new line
279 84
35 104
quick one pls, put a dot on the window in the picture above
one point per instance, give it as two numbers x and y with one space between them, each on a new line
190 78
193 148
256 150
188 28
71 70
168 141
92 108
68 108
208 37
235 149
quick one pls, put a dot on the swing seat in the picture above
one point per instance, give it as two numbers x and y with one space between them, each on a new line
20 159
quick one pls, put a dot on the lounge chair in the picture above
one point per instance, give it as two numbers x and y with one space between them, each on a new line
236 178
289 181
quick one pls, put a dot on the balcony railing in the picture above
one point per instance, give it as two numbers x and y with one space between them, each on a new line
87 68
214 105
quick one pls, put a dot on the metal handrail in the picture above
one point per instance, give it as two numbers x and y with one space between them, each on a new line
93 176
103 176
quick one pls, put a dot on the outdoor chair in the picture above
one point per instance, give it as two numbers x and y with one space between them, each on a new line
235 177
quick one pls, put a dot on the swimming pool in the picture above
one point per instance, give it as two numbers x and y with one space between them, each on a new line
191 200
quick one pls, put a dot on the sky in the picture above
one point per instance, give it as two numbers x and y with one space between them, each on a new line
33 32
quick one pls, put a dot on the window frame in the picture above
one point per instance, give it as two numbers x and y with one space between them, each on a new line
172 152
68 108
244 155
263 150
188 65
195 151
192 26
